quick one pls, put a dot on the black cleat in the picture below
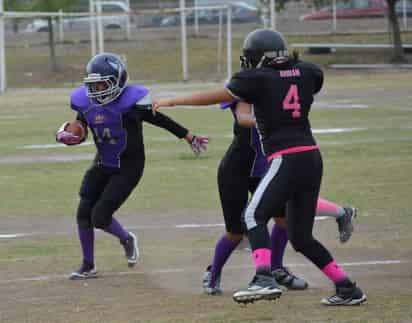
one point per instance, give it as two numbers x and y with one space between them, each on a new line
208 288
346 296
86 271
285 278
345 223
262 287
131 249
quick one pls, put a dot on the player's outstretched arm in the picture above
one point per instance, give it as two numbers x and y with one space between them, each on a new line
200 98
244 115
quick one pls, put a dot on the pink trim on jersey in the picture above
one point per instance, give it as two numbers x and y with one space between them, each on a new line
262 257
292 150
334 272
327 207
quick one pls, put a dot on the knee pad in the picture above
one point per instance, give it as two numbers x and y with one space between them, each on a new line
84 212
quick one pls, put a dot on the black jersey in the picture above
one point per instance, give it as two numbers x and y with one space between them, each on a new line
281 99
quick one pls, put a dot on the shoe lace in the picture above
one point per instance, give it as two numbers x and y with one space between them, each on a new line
287 272
254 280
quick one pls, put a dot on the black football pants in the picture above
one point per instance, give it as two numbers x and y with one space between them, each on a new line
102 192
292 180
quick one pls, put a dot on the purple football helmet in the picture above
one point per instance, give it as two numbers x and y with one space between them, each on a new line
107 69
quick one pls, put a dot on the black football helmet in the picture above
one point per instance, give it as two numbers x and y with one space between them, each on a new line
263 47
109 69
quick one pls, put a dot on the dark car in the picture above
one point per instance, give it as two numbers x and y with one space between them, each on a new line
399 8
350 9
241 12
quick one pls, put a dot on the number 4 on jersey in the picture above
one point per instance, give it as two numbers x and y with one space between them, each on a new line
291 101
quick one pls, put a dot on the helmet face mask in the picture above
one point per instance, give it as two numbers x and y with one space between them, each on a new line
249 61
106 78
263 47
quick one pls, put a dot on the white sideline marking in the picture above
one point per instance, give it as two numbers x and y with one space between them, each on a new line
336 130
12 235
89 143
337 105
47 146
194 225
191 269
145 227
12 117
379 262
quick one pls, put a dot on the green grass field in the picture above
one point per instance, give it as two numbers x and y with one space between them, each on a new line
370 167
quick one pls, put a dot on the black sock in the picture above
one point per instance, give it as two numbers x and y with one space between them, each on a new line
346 283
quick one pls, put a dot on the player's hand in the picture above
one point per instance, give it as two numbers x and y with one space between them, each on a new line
66 137
199 144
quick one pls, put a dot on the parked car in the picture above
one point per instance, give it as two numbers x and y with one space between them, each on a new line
114 18
350 9
37 25
242 11
399 8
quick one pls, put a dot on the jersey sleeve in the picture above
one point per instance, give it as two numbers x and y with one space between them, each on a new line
244 86
81 118
317 76
163 121
143 111
144 103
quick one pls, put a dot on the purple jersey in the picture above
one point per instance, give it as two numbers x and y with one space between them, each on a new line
105 121
117 126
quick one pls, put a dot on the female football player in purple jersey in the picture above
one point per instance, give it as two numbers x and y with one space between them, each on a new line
281 89
114 112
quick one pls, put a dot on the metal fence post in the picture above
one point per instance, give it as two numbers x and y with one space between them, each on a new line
2 50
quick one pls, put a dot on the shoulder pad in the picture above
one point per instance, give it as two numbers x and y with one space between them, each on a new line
130 95
79 100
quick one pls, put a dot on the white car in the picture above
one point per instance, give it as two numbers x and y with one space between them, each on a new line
115 17
37 25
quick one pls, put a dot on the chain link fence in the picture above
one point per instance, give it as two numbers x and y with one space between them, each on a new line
150 38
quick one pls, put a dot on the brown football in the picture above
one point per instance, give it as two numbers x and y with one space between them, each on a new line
76 128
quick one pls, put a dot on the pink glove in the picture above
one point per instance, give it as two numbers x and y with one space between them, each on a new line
65 137
199 144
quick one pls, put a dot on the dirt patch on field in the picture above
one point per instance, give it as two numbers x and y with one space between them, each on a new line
166 285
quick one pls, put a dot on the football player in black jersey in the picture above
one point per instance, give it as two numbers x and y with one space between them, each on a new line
239 174
281 89
114 112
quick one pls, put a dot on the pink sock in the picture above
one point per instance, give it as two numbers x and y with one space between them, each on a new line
334 272
262 258
328 208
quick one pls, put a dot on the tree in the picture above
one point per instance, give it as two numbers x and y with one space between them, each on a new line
398 53
14 5
51 6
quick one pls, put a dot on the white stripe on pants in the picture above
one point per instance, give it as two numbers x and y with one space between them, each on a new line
253 204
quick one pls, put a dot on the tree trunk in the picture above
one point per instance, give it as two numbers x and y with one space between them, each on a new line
53 58
15 26
398 54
